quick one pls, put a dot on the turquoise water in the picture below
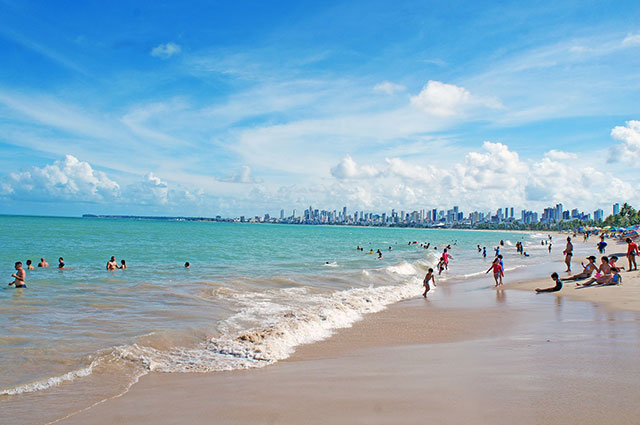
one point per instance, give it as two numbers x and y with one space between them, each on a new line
253 293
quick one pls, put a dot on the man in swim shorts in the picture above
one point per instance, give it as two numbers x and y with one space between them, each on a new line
568 253
19 276
632 251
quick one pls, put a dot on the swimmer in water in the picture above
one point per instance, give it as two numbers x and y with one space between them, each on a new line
123 264
61 264
428 277
112 264
187 265
29 265
19 276
43 263
556 288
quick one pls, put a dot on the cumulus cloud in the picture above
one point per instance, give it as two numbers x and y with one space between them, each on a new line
560 155
496 168
150 190
349 169
629 149
388 87
72 180
68 179
165 51
440 99
244 176
448 100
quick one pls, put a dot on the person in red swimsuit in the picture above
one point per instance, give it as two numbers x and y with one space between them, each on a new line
632 251
497 271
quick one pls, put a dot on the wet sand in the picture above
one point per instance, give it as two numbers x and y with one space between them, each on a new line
468 354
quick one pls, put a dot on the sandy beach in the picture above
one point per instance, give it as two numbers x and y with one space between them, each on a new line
468 354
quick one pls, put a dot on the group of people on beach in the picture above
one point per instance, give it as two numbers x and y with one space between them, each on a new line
606 273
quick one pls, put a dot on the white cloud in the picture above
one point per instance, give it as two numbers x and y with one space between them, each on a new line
560 155
150 190
448 100
165 51
416 173
631 40
497 168
69 179
388 87
629 149
244 176
440 99
349 169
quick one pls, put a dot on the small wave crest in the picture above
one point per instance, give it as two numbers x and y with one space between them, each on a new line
53 381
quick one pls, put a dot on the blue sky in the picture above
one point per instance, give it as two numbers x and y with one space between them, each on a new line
207 108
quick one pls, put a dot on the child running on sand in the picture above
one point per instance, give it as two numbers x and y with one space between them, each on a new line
428 277
497 271
556 288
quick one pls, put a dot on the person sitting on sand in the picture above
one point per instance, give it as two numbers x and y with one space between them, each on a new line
428 277
43 263
586 272
613 265
604 274
497 271
632 251
19 276
123 264
29 265
112 264
556 288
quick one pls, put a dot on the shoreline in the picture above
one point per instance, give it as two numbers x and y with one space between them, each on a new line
462 329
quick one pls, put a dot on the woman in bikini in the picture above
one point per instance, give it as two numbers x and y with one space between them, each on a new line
586 272
604 274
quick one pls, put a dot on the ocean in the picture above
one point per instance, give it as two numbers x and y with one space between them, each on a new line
253 293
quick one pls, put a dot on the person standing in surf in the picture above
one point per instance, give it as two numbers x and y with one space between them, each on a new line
445 257
428 277
497 271
20 275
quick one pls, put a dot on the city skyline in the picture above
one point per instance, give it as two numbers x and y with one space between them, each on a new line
233 109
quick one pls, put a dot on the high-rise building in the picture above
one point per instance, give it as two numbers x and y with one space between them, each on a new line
616 208
598 215
281 214
511 215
